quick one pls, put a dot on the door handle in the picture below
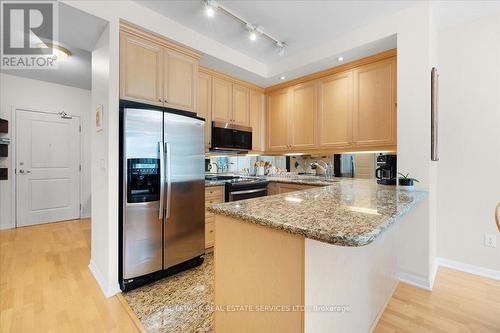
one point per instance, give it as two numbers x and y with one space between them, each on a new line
169 178
162 179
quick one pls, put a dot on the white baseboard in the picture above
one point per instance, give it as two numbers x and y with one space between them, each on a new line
467 268
415 280
428 284
108 290
6 227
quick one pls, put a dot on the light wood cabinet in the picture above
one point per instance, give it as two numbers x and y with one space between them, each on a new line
278 108
303 120
286 188
280 188
335 110
180 75
222 100
374 115
154 71
257 122
141 70
213 195
292 118
231 102
204 105
241 105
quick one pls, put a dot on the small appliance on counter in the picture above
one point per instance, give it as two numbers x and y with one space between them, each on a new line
386 171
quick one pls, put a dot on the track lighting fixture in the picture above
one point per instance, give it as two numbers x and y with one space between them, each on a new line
211 6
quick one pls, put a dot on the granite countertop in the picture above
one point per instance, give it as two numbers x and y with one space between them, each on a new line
301 180
209 183
349 212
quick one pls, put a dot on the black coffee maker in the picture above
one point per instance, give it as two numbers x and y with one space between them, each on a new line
386 171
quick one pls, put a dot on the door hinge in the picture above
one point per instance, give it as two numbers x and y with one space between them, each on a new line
80 207
80 167
80 128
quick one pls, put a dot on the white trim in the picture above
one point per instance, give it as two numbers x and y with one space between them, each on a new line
434 269
467 268
415 280
13 160
108 290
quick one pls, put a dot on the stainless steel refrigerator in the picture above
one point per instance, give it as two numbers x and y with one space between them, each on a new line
162 205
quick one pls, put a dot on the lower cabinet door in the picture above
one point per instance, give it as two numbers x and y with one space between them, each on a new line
209 232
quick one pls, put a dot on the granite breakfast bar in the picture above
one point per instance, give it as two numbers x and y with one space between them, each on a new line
318 260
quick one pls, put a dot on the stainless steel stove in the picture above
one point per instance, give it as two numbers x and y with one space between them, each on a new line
240 188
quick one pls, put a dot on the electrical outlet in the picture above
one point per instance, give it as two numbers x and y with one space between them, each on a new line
490 240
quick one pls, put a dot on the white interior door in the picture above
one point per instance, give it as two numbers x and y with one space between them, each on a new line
47 168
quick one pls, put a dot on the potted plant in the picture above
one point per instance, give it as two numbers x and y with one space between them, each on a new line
405 182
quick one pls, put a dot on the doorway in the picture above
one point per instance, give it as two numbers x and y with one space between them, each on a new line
47 167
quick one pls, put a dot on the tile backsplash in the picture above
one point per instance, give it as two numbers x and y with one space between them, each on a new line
238 163
360 165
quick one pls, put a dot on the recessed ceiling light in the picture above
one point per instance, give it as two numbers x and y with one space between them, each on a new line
282 78
340 59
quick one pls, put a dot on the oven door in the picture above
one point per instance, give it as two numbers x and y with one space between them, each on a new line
240 194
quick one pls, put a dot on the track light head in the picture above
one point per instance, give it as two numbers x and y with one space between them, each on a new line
281 48
210 7
253 32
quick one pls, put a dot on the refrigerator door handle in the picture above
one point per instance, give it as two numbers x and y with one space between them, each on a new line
169 183
162 179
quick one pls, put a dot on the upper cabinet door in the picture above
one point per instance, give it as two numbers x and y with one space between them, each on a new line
335 110
140 70
204 105
257 120
222 104
303 116
374 104
278 107
180 73
241 105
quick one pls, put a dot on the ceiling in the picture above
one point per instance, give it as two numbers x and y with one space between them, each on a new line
78 32
303 25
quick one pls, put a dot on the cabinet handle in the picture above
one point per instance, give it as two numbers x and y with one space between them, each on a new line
165 101
159 99
497 217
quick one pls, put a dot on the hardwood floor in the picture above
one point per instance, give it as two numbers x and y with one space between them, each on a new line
459 302
45 285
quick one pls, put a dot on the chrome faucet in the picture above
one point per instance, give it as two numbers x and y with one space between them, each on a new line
216 167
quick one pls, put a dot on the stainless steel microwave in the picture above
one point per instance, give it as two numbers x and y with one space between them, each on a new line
227 136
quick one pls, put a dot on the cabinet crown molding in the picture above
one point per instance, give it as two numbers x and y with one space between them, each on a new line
334 70
158 39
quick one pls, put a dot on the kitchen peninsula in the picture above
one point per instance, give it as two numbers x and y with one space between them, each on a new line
331 249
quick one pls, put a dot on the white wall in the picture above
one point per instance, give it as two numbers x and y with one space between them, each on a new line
18 92
469 125
104 234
